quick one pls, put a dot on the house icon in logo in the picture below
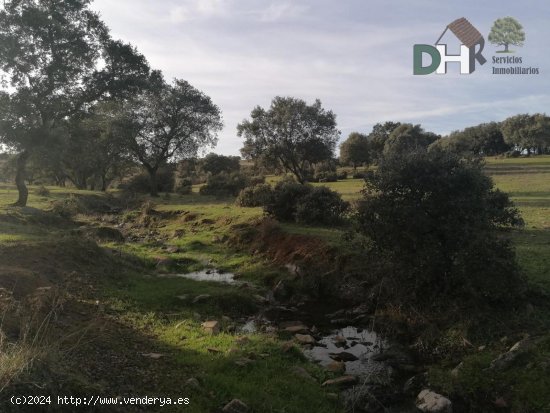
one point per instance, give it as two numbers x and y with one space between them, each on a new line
472 44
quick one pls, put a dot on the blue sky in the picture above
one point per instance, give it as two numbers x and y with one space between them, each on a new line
356 56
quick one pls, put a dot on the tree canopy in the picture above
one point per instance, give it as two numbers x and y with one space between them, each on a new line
483 139
50 51
378 137
290 134
408 138
355 150
530 132
169 122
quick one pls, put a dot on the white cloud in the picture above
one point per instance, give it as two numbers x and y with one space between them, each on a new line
281 10
355 56
196 9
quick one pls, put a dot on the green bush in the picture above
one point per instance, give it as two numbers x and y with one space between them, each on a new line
285 197
224 184
326 176
255 196
433 220
291 201
141 182
342 175
183 186
320 206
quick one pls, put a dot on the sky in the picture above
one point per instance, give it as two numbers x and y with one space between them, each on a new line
356 56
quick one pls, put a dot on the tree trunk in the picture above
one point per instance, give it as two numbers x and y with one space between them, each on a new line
506 48
103 183
153 181
20 178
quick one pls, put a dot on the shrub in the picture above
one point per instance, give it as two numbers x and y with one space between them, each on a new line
326 177
42 191
285 197
141 183
216 164
224 184
183 186
254 180
359 175
291 201
320 206
431 220
513 154
255 196
342 175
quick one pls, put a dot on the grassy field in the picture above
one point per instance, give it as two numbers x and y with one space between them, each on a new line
141 313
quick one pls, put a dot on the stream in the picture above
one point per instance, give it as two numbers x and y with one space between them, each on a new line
346 350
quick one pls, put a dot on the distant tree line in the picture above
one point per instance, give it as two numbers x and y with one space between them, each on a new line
521 134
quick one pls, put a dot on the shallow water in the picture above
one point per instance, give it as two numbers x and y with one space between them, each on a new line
361 343
209 275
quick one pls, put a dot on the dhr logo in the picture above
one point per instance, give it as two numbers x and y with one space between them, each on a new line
470 38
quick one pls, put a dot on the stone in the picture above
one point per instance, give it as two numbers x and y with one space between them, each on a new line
172 249
301 329
193 382
301 372
235 406
341 381
241 341
501 403
261 299
415 384
456 371
287 346
304 339
154 356
211 327
343 356
165 262
178 233
200 298
505 360
428 401
244 361
336 366
213 350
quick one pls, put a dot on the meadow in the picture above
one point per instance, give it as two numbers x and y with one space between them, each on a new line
121 316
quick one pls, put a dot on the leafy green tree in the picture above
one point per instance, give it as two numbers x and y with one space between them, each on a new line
408 138
290 134
530 132
431 220
215 164
378 136
483 139
170 122
355 150
507 31
58 57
